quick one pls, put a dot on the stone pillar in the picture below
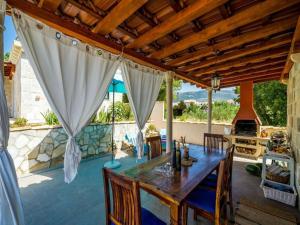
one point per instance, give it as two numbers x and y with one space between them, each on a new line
209 116
169 92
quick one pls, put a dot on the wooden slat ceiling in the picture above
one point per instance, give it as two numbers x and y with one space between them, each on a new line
241 40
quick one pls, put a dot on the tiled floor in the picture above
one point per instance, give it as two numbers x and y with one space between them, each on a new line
49 201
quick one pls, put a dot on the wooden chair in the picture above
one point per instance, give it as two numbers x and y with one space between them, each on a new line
154 147
126 202
211 181
210 203
213 142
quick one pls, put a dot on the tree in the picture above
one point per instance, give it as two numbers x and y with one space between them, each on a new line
163 90
6 56
270 102
237 91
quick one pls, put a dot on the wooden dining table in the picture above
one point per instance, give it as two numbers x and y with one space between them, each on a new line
173 190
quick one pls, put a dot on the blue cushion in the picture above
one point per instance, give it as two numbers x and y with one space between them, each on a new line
209 183
148 218
202 198
212 176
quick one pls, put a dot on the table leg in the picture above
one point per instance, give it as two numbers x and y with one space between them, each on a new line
175 214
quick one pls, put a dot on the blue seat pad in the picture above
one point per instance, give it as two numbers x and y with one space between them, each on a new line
148 218
202 198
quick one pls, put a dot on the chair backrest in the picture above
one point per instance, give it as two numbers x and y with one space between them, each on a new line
231 152
213 142
126 204
223 183
154 147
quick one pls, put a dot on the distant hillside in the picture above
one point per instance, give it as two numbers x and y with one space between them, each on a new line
201 95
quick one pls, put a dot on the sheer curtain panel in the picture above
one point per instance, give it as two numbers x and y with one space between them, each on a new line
11 210
74 78
143 85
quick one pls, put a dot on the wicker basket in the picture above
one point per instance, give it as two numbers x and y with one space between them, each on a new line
277 178
281 196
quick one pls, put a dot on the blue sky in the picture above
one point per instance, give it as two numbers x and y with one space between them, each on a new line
10 35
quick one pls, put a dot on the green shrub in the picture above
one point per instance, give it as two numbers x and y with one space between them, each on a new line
221 112
179 109
20 122
122 112
101 117
50 118
151 130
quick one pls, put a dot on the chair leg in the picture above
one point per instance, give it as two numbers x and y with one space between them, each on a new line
225 216
230 203
184 214
195 214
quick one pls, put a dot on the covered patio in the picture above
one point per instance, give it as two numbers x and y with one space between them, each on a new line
212 44
81 202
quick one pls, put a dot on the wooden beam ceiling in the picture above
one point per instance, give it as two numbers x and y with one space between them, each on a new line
118 15
87 36
250 69
258 80
295 48
239 53
242 61
50 5
247 16
184 16
236 41
250 75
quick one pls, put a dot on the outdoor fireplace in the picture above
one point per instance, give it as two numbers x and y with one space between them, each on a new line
246 121
246 125
246 128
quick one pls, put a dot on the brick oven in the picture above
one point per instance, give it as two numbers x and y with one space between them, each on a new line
246 125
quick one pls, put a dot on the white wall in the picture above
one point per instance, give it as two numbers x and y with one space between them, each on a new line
193 131
33 101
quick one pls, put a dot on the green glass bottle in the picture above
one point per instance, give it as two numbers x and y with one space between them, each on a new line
178 158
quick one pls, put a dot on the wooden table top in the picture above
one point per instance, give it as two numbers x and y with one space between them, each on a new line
175 188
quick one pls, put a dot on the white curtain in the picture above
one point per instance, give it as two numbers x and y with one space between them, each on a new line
11 210
143 85
74 77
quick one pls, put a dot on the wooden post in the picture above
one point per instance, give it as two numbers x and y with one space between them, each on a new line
209 101
169 90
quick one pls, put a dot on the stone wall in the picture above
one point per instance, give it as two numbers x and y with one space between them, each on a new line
43 147
293 111
8 92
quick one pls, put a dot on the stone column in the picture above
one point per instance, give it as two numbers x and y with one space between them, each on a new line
169 92
209 102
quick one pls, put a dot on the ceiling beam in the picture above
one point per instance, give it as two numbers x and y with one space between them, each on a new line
258 80
242 61
249 76
50 5
181 18
251 14
255 68
239 53
118 15
236 41
85 35
295 48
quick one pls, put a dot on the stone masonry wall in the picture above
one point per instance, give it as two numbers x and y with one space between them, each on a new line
43 147
8 92
293 117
